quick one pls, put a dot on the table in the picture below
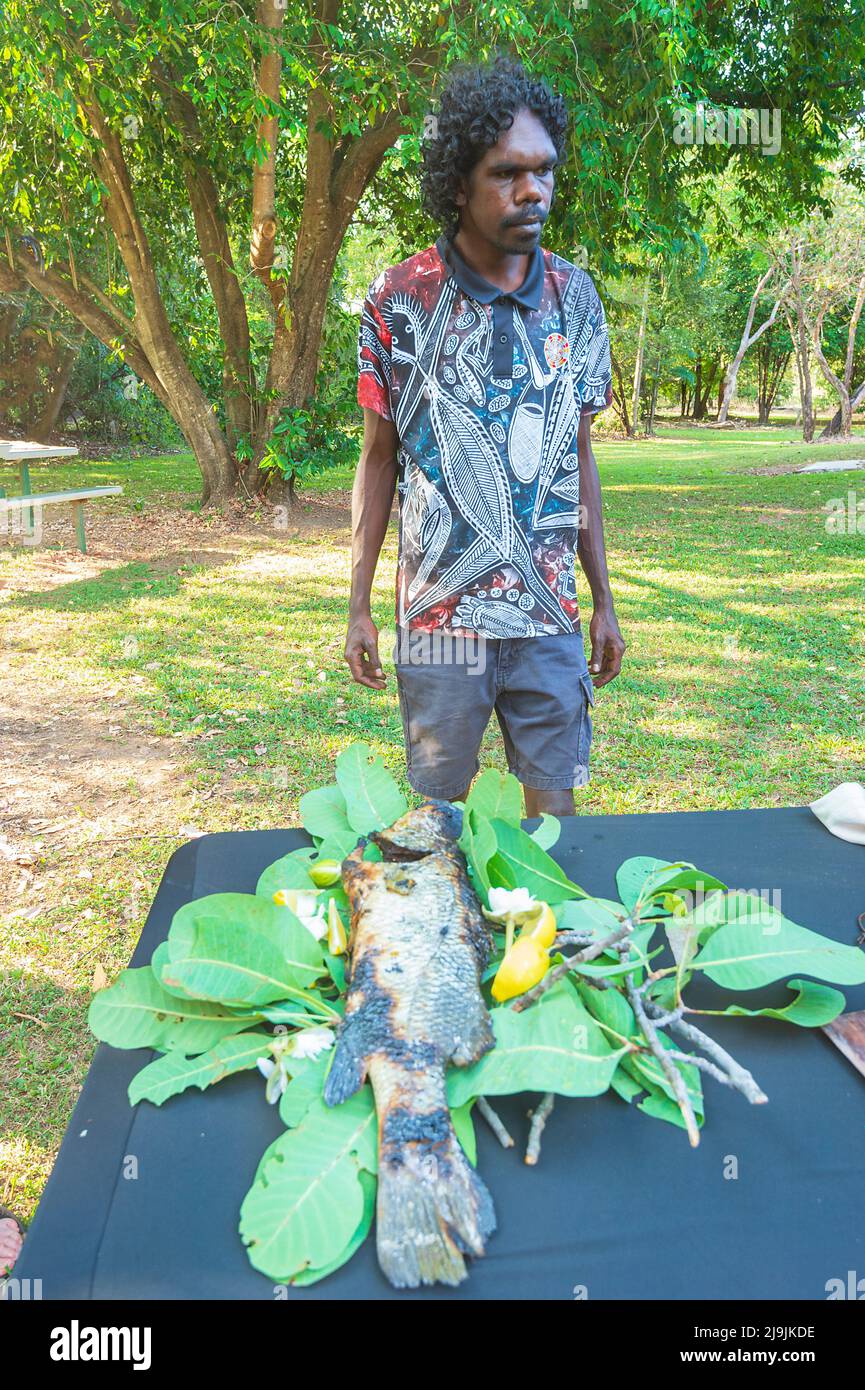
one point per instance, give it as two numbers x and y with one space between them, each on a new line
24 453
619 1203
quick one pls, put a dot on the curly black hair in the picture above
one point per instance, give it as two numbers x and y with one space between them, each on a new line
476 105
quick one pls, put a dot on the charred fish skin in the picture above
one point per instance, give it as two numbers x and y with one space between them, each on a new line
418 945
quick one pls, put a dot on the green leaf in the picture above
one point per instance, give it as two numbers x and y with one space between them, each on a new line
137 1012
554 1045
323 813
662 1108
311 1276
609 1007
521 863
246 966
305 1087
307 1202
170 1075
478 843
464 1129
496 794
756 951
372 798
813 1007
547 833
287 872
679 877
632 874
645 1067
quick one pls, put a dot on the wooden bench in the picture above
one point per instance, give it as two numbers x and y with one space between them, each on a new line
30 502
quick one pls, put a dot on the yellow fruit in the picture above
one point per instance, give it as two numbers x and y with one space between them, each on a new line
336 937
325 872
300 900
543 929
523 966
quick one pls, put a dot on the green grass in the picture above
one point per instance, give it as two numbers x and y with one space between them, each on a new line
742 686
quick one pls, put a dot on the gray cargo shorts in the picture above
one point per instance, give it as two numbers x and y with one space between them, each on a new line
448 687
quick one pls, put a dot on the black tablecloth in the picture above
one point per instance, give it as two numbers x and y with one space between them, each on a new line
619 1203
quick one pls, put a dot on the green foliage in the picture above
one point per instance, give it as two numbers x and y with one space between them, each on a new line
235 964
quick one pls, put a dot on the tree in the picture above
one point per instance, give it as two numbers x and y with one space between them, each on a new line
250 136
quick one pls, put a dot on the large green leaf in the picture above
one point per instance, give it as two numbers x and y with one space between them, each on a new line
554 1045
307 1202
609 1007
813 1007
478 843
645 1068
245 966
312 1276
304 1088
173 1073
496 794
372 798
464 1128
521 863
242 916
323 813
137 1012
632 874
287 872
756 951
547 833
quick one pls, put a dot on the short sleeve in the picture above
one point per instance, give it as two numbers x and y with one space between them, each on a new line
590 340
374 366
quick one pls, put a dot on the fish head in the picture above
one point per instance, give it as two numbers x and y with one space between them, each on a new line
431 827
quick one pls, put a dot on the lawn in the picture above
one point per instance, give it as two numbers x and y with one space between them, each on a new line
218 664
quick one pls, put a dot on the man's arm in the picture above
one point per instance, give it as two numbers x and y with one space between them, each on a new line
371 502
608 646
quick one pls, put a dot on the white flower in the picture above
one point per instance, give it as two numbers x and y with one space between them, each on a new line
311 1042
277 1078
507 902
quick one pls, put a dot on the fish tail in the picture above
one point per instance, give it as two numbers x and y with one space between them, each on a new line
347 1071
432 1207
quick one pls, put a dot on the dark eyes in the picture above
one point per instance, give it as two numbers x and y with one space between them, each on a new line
543 171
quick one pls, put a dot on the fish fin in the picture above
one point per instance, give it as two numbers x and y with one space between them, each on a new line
479 1040
348 1069
432 1209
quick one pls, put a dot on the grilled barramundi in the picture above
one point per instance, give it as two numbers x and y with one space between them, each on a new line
418 946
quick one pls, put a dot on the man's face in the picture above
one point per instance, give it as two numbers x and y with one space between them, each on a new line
510 185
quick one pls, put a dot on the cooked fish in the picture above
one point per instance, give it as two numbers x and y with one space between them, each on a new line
418 945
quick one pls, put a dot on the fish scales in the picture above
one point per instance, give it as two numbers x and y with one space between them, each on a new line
418 945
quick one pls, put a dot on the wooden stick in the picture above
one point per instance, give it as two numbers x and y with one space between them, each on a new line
494 1123
539 1119
669 1068
738 1076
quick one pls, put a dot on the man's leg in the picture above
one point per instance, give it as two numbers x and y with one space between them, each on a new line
555 801
544 711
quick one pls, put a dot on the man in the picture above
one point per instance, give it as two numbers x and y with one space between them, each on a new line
481 361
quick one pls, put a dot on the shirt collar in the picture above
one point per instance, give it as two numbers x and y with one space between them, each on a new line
471 283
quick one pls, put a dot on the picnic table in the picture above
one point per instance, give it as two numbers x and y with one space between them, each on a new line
619 1204
24 452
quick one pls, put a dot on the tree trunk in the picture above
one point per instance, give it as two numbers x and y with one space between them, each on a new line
43 428
834 426
748 339
638 366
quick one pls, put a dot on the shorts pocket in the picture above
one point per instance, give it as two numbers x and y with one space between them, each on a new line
588 687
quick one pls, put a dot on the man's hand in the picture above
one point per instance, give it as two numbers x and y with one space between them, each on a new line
608 646
361 653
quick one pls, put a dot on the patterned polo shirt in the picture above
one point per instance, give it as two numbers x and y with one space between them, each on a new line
486 390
